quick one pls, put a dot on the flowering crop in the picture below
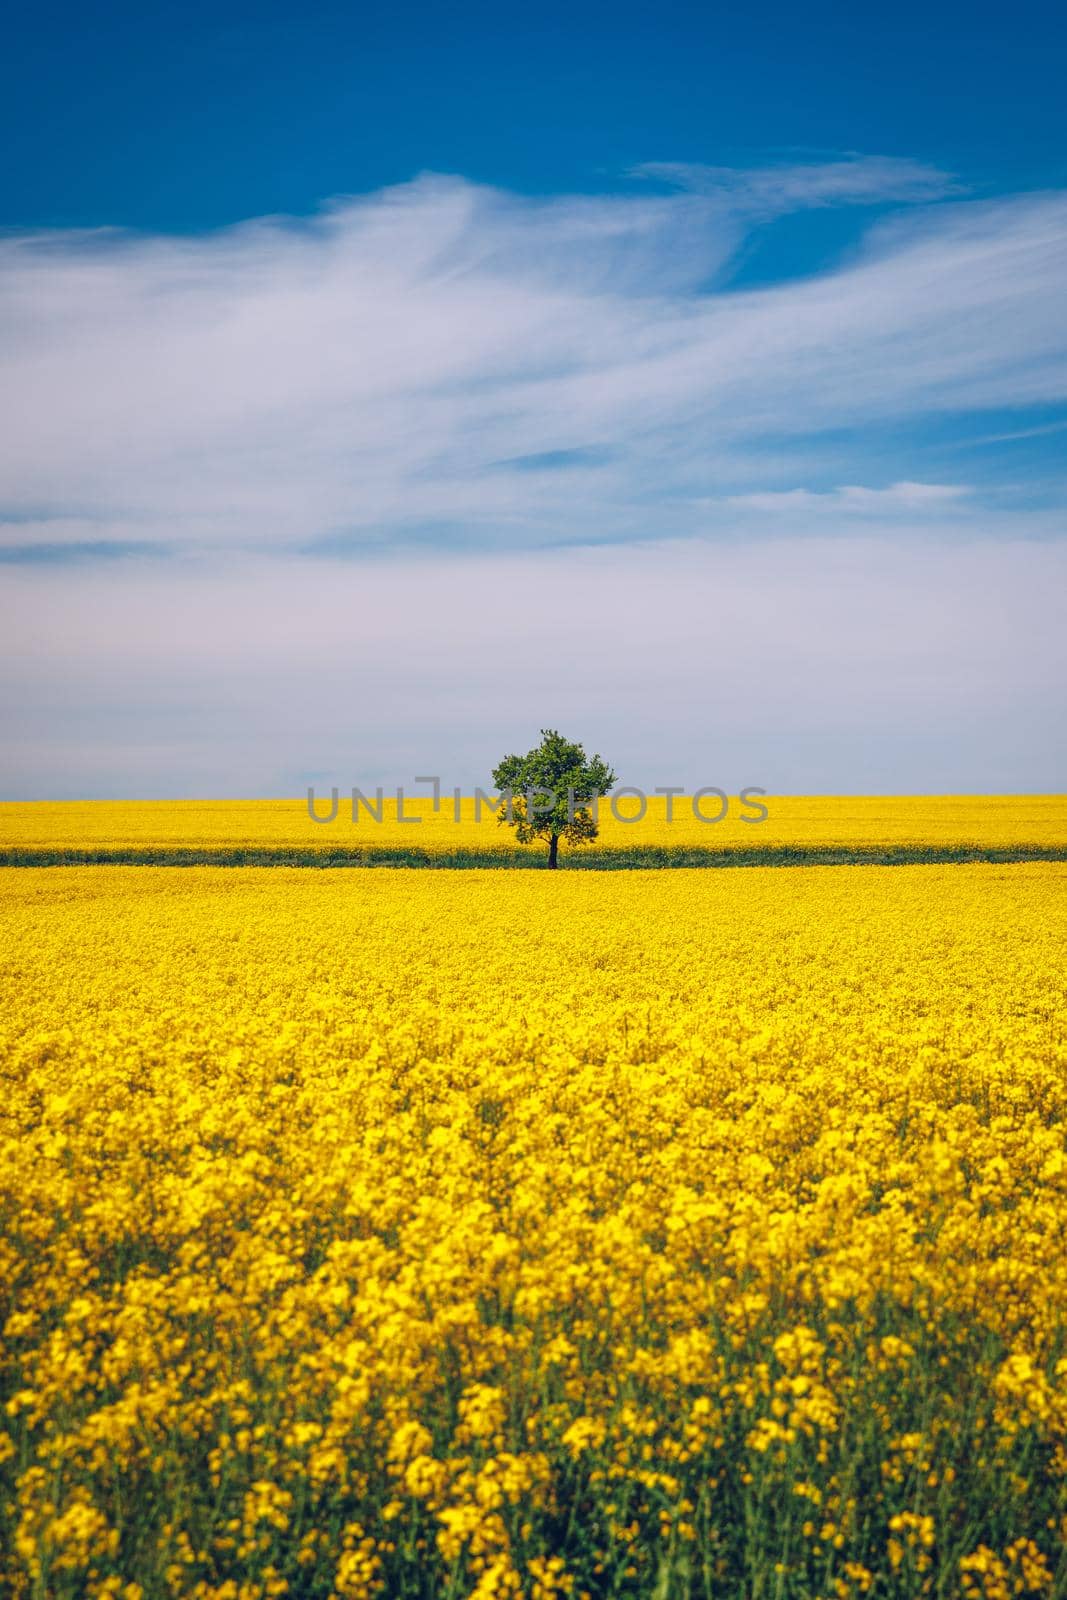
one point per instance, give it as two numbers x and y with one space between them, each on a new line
469 1234
861 824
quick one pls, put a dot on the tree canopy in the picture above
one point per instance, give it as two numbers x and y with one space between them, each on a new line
551 789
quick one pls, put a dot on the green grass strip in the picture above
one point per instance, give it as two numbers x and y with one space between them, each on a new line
612 860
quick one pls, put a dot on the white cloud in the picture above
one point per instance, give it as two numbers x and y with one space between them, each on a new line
443 361
769 191
855 499
842 665
442 365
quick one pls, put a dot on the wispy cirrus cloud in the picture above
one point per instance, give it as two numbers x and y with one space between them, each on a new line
767 191
691 517
442 362
75 552
855 499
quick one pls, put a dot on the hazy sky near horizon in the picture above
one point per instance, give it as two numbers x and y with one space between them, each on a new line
735 449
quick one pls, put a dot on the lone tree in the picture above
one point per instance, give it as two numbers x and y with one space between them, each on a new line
550 789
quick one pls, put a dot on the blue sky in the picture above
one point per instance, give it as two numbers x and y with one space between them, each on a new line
348 351
186 116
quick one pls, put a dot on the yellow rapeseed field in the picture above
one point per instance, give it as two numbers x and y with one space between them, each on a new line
859 821
483 1234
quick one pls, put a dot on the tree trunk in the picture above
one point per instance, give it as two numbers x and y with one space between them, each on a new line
553 847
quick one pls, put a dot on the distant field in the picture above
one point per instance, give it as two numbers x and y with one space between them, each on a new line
802 830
